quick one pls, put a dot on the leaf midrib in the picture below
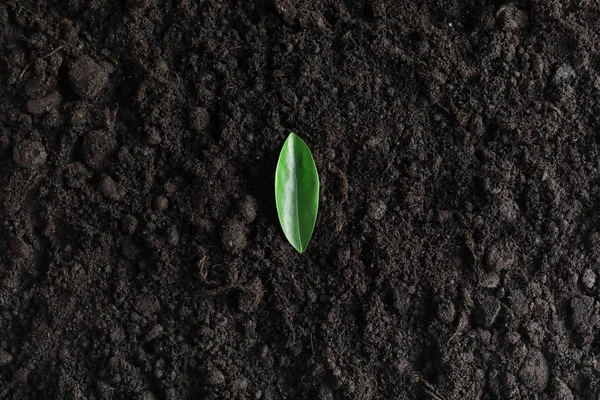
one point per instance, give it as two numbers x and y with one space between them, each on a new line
297 199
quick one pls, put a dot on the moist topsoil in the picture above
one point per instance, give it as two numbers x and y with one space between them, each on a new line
457 248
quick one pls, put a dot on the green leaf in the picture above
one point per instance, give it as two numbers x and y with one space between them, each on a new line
297 192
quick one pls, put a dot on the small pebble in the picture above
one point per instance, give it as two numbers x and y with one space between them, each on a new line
511 18
153 136
513 337
199 119
240 385
160 203
87 77
148 395
500 255
588 278
215 377
534 371
247 209
29 154
376 210
563 75
477 126
173 236
561 390
129 224
155 332
489 280
109 188
5 358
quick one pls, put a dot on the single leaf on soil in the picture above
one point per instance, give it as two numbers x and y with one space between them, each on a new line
297 192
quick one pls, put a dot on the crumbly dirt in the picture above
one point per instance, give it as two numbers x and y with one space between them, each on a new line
457 248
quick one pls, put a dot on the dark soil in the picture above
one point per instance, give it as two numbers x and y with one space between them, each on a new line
457 248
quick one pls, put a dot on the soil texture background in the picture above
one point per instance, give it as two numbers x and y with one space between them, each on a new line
457 249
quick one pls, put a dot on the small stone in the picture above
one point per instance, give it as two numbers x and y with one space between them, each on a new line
376 210
29 154
156 331
5 358
500 255
109 188
484 335
240 385
561 390
477 126
588 278
233 236
286 9
199 119
487 311
446 311
563 75
129 224
215 377
173 236
97 146
148 395
489 280
534 371
153 136
582 313
160 203
247 209
508 209
573 277
87 77
511 18
512 337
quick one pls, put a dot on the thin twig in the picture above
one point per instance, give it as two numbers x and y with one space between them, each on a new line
201 274
281 392
429 388
46 56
